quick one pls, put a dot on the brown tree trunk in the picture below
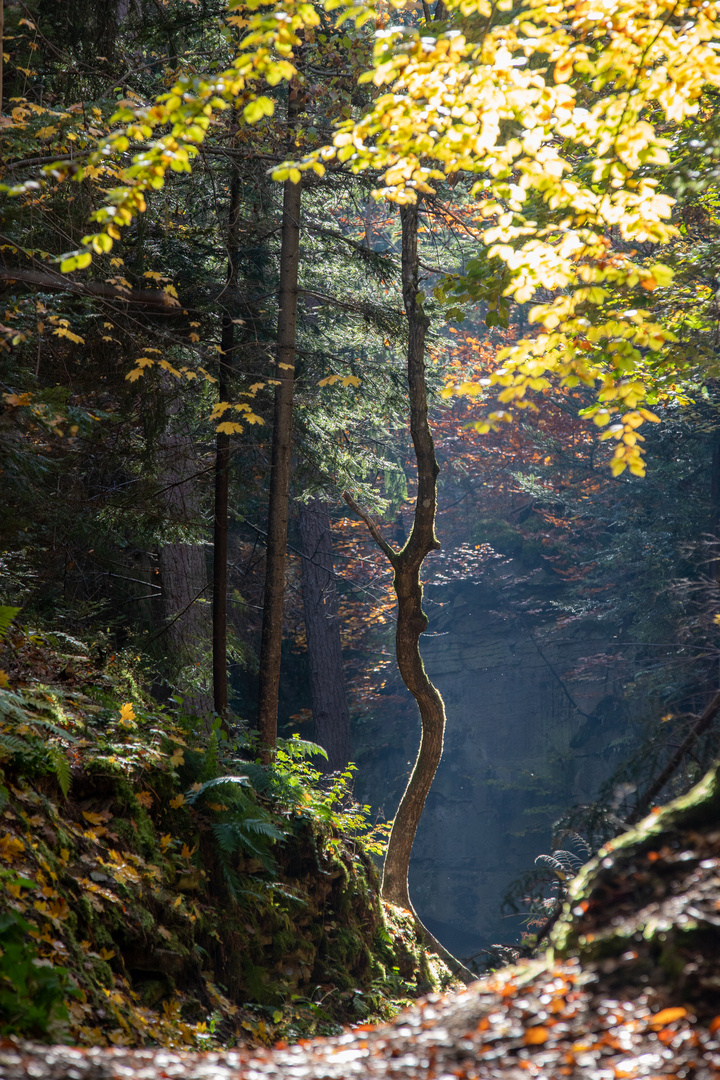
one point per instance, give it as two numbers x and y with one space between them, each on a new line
222 468
273 603
411 619
320 609
2 40
183 571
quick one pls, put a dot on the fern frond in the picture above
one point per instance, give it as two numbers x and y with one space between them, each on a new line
192 796
7 614
61 767
12 744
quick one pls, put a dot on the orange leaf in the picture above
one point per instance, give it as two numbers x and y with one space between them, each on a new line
714 1025
667 1016
534 1036
145 798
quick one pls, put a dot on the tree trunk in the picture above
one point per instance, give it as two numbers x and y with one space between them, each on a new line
183 571
2 45
222 468
320 609
411 619
273 603
715 508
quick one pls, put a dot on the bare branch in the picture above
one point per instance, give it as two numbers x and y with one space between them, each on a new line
377 536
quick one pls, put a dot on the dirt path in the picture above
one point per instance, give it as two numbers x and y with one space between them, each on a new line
542 1022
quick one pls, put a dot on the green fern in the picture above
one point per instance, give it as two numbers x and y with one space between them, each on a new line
14 708
7 614
61 767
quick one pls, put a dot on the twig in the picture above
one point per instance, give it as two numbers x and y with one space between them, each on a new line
703 723
372 527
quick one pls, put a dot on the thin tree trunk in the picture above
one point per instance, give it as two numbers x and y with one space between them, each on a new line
273 603
411 619
2 47
715 508
222 469
320 609
183 571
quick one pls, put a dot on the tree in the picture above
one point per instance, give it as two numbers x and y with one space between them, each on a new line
320 612
279 496
564 167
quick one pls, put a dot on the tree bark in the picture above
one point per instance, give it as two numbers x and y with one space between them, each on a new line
222 469
273 603
183 571
320 610
2 49
411 619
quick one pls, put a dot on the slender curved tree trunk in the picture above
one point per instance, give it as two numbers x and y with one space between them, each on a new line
320 610
273 602
411 619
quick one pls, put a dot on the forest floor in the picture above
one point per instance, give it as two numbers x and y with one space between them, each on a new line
638 1000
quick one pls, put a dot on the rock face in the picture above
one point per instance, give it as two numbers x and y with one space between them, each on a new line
527 737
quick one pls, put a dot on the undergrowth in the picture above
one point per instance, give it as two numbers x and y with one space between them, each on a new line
159 885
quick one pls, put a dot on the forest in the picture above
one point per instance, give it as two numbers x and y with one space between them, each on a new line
360 539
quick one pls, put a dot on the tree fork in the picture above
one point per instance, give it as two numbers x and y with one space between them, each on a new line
271 643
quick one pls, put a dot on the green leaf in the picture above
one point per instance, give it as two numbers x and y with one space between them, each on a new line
7 614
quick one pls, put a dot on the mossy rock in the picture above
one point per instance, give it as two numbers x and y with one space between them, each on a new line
644 910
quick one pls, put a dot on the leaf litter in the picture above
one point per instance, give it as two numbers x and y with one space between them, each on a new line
639 1000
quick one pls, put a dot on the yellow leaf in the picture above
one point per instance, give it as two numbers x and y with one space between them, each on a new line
166 841
11 847
177 757
62 331
107 954
229 427
177 801
127 712
97 818
4 679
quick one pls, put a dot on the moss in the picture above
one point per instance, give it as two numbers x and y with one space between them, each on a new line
103 974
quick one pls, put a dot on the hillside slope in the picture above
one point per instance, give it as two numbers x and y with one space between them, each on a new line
158 886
